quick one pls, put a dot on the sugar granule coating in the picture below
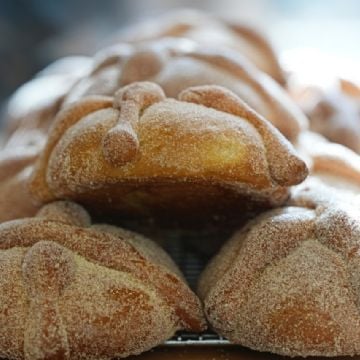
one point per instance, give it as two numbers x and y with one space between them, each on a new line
31 109
74 290
207 29
288 283
332 107
15 168
330 163
207 153
177 64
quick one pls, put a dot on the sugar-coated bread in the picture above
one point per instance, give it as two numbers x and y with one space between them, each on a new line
141 154
15 168
333 110
176 64
72 290
331 163
207 29
288 282
32 108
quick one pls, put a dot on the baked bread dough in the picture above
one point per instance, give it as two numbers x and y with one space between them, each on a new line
329 163
333 110
15 169
73 290
207 29
176 64
32 108
141 154
288 282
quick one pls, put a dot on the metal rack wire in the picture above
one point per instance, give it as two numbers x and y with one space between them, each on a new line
204 339
191 263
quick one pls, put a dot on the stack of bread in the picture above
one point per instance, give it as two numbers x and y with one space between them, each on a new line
182 123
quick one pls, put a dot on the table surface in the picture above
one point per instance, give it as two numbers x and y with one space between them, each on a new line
215 353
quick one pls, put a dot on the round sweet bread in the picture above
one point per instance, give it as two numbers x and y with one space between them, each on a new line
330 163
333 110
15 168
140 154
31 109
288 282
176 64
207 29
72 290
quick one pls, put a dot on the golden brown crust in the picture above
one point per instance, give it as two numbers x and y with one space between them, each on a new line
14 160
266 97
34 105
141 242
15 168
264 50
86 292
350 88
290 282
176 64
227 153
331 163
209 30
333 110
315 192
65 212
65 119
281 158
45 335
25 137
131 101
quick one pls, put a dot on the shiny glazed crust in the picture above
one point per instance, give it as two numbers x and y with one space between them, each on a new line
72 290
141 154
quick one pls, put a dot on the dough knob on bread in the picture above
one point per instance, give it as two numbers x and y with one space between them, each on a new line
121 144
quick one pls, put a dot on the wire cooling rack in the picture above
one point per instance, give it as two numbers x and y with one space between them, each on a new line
204 339
191 262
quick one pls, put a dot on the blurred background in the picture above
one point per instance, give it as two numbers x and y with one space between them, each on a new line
309 35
